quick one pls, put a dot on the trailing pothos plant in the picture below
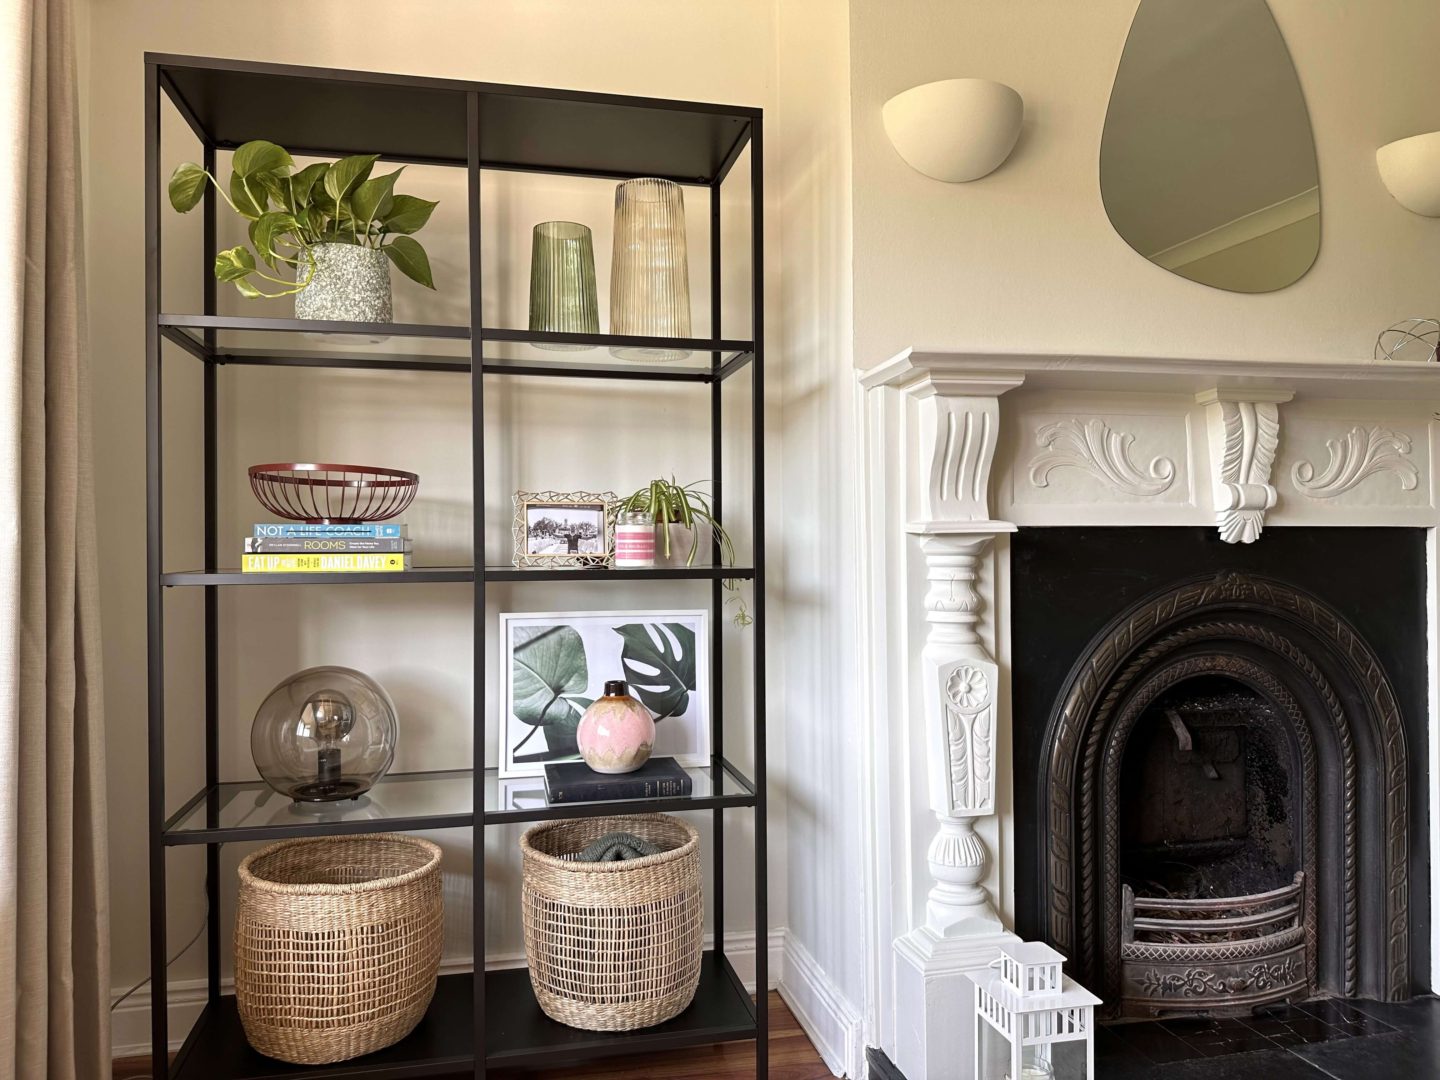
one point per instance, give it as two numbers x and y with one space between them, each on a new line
290 211
672 503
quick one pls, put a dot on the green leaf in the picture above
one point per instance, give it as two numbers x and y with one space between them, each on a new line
251 202
660 671
312 220
303 183
234 264
561 741
250 292
187 185
407 215
546 664
343 176
406 253
267 230
368 199
276 187
260 156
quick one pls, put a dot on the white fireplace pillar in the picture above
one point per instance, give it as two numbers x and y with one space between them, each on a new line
956 427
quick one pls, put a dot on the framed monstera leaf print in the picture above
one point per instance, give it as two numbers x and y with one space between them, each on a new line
556 663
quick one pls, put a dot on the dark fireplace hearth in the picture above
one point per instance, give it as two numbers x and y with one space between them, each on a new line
1223 814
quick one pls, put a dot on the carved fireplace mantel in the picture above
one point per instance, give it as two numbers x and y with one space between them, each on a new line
962 449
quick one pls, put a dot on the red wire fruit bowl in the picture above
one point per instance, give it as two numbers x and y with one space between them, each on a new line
326 494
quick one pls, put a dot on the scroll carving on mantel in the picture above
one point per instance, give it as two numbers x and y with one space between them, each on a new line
1362 453
1244 430
1098 449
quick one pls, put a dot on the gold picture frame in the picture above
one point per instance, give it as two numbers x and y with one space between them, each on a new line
563 538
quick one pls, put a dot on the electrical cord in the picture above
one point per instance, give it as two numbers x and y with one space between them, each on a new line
168 964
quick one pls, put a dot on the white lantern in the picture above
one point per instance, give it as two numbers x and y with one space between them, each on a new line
1032 1021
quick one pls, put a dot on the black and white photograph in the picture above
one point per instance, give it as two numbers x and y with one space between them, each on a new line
564 529
560 529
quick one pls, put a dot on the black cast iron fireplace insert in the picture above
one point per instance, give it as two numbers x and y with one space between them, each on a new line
1223 801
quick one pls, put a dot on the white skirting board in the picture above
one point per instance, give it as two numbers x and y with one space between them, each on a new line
130 1023
828 1017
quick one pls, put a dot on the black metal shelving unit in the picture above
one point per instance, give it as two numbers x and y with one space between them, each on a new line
485 1020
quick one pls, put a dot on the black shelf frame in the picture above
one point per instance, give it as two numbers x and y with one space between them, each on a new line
483 1019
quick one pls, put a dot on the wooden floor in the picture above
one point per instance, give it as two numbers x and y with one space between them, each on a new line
791 1058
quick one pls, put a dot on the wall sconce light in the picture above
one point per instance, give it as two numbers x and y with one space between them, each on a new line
1411 170
956 129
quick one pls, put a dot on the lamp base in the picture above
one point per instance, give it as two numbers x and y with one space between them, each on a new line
329 790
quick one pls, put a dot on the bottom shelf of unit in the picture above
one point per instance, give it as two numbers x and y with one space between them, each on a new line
517 1033
440 1045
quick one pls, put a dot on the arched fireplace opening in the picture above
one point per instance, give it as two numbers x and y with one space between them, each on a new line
1216 855
1226 806
1209 797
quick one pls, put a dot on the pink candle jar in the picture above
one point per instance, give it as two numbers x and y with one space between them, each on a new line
617 733
635 539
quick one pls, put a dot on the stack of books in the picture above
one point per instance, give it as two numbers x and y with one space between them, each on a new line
295 548
574 781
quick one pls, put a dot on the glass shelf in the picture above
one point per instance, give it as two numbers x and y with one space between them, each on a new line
251 810
259 342
611 356
421 575
618 573
313 343
522 798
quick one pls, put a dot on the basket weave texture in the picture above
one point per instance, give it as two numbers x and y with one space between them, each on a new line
337 944
612 946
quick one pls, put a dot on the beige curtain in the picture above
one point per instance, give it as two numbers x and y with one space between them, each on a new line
54 939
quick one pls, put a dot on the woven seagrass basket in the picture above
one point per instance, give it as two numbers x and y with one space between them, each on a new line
337 944
612 946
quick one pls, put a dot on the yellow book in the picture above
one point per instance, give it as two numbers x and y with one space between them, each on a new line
338 563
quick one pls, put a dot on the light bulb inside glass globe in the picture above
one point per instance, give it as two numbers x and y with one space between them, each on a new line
328 717
324 734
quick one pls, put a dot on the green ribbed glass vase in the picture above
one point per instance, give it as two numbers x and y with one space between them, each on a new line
562 282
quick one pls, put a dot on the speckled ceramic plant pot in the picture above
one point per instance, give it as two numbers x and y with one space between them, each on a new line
617 733
351 284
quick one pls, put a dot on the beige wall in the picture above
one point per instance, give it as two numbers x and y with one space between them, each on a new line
827 823
1025 259
416 641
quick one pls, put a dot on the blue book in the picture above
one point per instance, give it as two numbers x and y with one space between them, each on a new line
299 529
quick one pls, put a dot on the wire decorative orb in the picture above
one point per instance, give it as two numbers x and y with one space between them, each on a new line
326 494
1412 340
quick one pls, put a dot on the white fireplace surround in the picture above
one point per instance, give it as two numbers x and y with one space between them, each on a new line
961 449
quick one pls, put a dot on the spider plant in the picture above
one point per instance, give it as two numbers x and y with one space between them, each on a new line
672 503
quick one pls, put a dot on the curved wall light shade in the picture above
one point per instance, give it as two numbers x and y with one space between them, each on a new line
956 129
1411 170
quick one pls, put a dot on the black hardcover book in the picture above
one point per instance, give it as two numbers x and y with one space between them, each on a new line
574 781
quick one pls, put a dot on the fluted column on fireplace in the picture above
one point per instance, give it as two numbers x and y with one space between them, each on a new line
955 418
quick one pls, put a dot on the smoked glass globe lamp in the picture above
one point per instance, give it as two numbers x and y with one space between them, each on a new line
324 734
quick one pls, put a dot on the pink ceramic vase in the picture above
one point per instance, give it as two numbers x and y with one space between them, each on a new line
616 733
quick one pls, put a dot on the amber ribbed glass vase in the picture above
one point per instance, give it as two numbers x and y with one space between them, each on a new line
650 271
562 282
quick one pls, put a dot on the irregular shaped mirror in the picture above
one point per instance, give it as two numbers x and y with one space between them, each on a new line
1207 165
